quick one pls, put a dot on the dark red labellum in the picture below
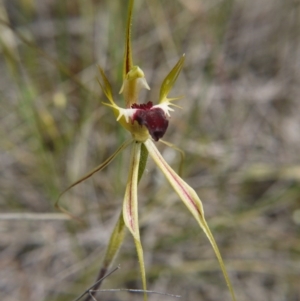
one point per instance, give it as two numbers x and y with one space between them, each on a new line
154 119
143 106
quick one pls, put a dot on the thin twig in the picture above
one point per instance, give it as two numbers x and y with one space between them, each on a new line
136 291
89 290
91 295
100 277
33 216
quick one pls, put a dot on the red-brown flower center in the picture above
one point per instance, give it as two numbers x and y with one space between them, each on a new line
154 119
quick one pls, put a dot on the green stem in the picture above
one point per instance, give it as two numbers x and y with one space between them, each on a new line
114 245
143 161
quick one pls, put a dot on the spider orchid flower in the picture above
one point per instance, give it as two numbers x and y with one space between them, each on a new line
146 123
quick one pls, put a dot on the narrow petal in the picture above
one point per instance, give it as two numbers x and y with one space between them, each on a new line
89 174
188 195
170 80
130 207
106 87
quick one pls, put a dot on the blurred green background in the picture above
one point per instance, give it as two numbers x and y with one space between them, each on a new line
239 126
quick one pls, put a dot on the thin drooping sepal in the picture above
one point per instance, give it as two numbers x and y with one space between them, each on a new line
169 81
189 197
127 63
130 207
89 174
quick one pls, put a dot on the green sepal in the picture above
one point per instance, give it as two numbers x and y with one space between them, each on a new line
128 63
190 198
130 207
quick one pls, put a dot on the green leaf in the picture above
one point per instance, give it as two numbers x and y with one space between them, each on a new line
189 197
170 80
